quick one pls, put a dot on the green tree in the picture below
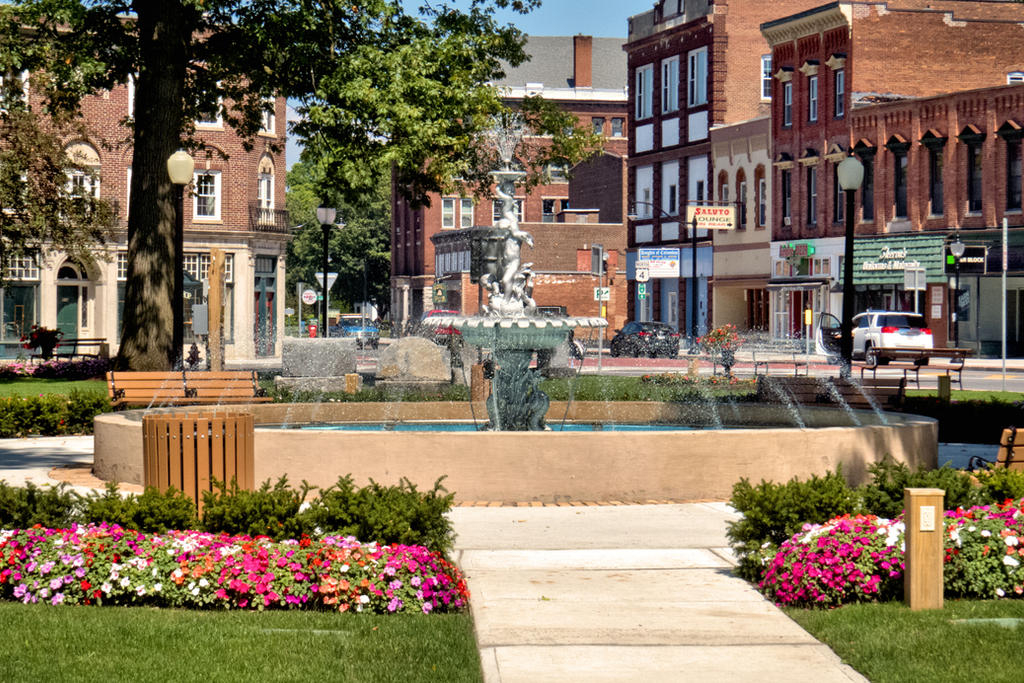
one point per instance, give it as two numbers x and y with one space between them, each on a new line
41 208
365 238
380 90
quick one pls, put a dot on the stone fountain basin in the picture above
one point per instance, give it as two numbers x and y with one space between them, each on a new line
550 467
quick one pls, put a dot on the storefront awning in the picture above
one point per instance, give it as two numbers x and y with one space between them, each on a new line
799 283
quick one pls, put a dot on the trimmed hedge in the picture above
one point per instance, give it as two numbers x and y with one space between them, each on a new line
51 414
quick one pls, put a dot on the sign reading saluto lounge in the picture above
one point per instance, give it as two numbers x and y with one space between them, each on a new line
711 217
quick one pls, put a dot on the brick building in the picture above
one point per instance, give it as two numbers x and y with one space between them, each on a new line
584 75
693 65
236 204
838 88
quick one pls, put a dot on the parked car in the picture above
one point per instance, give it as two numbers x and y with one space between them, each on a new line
645 339
439 334
875 330
365 331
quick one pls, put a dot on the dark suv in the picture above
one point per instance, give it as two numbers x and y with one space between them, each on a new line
645 339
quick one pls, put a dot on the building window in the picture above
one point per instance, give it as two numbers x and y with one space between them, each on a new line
766 77
839 78
974 176
670 187
672 200
723 188
23 268
899 181
670 85
131 95
466 213
697 77
83 184
935 180
598 124
269 117
122 266
448 212
812 99
1013 174
617 126
812 195
741 204
787 103
496 208
206 202
644 86
867 188
547 211
265 191
786 185
211 119
1015 77
557 173
837 196
762 201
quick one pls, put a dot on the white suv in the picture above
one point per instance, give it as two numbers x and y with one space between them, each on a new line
873 330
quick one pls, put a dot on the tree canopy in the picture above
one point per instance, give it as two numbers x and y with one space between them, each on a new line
379 90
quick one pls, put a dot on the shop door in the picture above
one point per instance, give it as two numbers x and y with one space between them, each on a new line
264 320
67 310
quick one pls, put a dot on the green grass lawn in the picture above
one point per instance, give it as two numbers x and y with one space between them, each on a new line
30 386
43 643
889 643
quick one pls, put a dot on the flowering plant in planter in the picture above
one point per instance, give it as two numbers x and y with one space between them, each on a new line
985 551
723 342
42 338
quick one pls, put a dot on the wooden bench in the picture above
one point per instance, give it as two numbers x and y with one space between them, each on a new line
805 390
768 357
912 360
1008 456
183 388
72 348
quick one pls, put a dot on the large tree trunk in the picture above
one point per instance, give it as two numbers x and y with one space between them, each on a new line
147 336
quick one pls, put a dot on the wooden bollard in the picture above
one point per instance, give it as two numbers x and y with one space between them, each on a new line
925 527
353 383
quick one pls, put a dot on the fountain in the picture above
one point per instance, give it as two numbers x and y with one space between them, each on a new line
509 325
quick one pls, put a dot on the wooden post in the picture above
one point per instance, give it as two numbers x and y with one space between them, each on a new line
353 382
945 390
479 388
215 306
922 574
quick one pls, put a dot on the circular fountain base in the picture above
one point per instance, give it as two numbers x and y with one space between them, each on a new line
551 467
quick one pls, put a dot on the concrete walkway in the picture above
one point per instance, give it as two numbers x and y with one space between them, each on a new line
624 593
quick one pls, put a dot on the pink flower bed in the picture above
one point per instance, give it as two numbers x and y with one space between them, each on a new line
860 558
108 565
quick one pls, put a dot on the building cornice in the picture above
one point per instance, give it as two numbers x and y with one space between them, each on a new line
807 23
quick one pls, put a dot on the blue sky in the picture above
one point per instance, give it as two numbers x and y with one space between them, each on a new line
600 18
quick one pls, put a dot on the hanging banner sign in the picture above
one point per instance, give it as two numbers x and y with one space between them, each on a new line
661 261
711 217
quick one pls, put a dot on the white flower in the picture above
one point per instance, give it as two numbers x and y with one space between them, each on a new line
140 590
1011 561
972 528
195 591
106 588
154 572
157 587
305 506
125 581
344 568
1000 592
1012 540
986 533
364 599
203 583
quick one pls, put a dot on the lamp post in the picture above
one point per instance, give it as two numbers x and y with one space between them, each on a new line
850 174
325 215
180 166
956 248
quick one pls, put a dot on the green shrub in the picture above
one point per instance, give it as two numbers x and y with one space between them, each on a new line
970 421
386 514
50 506
884 496
271 511
999 484
772 513
151 512
51 414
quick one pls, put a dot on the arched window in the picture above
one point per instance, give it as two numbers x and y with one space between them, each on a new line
84 170
760 197
723 187
741 200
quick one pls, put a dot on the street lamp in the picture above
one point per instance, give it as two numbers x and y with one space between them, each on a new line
956 248
180 166
850 173
325 215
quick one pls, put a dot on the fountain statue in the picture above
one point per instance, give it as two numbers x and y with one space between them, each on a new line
508 324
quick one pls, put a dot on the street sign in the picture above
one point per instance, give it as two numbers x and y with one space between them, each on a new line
642 273
439 294
661 261
602 293
641 290
309 297
331 277
711 217
914 279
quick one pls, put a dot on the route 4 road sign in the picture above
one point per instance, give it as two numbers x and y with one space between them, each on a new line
602 293
642 274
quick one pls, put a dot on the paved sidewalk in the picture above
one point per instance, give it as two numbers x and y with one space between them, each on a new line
625 593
